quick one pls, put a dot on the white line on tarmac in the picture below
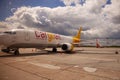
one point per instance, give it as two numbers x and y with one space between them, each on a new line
99 52
89 69
99 59
49 66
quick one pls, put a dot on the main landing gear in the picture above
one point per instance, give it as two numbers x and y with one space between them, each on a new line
54 49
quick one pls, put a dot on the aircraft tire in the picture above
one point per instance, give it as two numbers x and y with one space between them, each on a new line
54 50
16 52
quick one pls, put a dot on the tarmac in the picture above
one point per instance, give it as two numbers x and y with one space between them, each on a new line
84 63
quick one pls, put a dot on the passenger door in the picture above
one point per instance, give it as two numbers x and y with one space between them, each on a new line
14 37
27 36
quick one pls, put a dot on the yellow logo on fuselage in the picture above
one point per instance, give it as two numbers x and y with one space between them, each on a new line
51 37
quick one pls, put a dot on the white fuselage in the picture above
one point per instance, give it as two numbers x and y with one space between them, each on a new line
20 38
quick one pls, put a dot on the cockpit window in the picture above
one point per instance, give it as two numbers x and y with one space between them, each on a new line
9 32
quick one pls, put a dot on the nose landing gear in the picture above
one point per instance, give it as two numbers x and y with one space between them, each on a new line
15 51
5 50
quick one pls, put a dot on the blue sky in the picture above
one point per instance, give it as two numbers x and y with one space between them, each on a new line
7 5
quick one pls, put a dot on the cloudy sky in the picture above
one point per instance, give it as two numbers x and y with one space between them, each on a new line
99 18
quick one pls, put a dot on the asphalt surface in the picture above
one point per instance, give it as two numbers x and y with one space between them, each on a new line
83 64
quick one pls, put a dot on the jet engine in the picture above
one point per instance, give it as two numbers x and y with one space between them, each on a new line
67 47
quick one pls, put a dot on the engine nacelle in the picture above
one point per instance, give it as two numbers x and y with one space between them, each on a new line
67 47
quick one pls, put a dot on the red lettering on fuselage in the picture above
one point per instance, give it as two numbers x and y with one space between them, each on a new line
41 35
47 36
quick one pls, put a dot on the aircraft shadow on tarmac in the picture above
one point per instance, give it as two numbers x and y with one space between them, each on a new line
46 52
35 54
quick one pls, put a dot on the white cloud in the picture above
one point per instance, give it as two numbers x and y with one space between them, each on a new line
13 10
94 6
96 20
70 2
112 11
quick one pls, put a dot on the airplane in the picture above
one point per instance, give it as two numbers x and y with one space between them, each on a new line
14 39
98 45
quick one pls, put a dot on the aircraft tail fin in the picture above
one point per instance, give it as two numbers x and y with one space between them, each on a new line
97 44
77 37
